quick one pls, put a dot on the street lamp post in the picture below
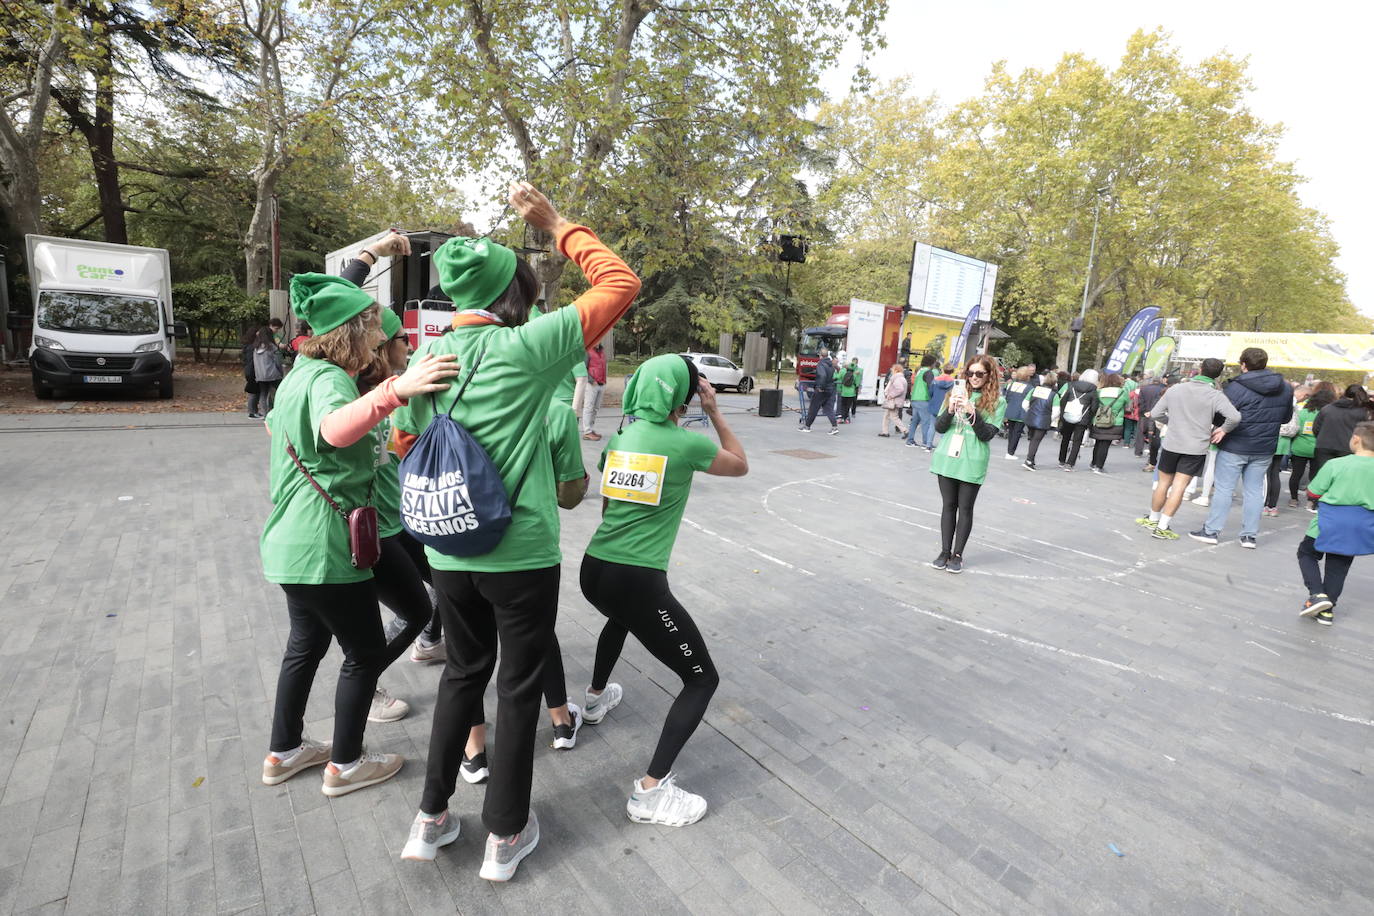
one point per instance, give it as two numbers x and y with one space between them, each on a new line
1087 281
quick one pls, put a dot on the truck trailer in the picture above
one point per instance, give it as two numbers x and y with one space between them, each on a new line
102 316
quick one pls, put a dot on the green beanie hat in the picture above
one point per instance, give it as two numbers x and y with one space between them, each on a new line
325 301
391 323
474 272
658 387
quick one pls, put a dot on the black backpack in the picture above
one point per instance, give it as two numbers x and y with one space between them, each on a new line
848 380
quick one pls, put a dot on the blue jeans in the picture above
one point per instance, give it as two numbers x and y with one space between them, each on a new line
1250 470
921 416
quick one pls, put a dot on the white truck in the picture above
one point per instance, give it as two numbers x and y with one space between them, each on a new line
403 284
102 316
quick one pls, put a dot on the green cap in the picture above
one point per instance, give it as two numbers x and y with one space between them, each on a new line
391 323
657 388
325 301
474 272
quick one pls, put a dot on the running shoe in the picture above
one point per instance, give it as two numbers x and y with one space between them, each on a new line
565 736
420 652
1146 522
1029 465
369 770
803 429
1164 534
955 564
834 431
428 833
1009 457
278 768
666 803
1202 501
598 705
883 435
940 562
474 769
593 436
386 708
1292 504
1203 535
911 444
1315 604
1247 541
1067 468
1098 470
1271 511
504 853
1148 468
1326 618
1312 507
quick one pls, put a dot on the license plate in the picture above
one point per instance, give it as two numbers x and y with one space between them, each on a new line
103 379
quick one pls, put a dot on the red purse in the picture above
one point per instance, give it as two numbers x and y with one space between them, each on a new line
364 543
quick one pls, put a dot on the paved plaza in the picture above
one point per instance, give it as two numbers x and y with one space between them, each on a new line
1086 721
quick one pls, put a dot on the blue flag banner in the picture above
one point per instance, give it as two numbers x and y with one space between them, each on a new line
1135 329
957 355
1152 332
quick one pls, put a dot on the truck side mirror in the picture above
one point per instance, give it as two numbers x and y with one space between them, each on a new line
179 330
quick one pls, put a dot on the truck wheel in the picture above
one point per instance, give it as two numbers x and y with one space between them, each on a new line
746 385
164 387
41 391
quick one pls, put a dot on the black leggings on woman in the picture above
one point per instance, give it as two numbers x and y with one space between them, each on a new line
1101 449
1033 436
636 599
956 518
1273 483
1297 467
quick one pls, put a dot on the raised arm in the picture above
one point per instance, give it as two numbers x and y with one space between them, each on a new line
730 460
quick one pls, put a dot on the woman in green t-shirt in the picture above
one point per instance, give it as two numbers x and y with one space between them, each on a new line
647 471
320 420
1305 442
971 417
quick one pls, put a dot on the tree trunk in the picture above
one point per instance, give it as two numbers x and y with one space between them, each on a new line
257 241
101 140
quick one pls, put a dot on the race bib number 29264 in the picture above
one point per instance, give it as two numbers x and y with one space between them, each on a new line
634 477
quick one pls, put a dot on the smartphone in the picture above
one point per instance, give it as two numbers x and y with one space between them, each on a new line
961 388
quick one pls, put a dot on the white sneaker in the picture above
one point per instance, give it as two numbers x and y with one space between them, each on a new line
420 652
386 708
598 705
1009 457
665 804
565 736
427 834
1202 501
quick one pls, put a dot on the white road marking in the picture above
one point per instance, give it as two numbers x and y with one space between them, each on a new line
1251 642
769 557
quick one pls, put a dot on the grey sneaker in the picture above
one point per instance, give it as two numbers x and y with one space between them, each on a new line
368 771
428 833
277 768
598 705
386 708
1247 541
505 852
425 652
666 803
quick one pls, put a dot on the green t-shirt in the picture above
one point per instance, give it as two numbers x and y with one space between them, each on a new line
1305 442
637 534
852 389
305 542
1344 481
503 409
565 442
386 483
971 463
920 388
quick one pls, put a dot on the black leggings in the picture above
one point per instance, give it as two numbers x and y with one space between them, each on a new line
1070 434
1033 436
1297 468
1330 584
1274 483
1014 430
401 587
956 518
636 600
1101 449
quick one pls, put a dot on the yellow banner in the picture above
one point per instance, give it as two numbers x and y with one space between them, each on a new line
1332 352
634 477
925 328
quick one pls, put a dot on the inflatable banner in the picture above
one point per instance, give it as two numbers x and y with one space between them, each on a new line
1134 330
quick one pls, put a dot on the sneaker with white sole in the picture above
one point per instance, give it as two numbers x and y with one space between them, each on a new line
565 736
1146 522
474 769
1010 457
666 803
369 770
278 768
1247 541
420 652
1203 535
1202 501
598 705
1315 605
1164 534
834 431
386 708
504 853
428 833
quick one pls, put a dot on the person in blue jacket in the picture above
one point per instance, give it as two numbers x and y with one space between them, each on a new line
1015 393
1038 415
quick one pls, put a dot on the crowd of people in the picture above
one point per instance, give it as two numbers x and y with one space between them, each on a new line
343 539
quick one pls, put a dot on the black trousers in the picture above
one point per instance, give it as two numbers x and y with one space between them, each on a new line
515 611
636 600
821 401
1101 449
1070 434
1330 584
401 587
1033 436
1148 429
1014 430
848 403
956 515
1298 467
319 613
1274 483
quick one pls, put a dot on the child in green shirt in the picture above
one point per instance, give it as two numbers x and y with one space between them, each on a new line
1344 526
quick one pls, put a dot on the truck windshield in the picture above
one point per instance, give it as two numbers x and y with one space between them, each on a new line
97 313
811 344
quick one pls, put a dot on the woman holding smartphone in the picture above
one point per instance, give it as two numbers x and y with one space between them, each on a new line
969 421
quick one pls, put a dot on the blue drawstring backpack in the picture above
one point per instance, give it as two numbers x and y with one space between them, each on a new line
452 496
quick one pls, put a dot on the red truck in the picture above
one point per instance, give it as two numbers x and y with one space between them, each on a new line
866 330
